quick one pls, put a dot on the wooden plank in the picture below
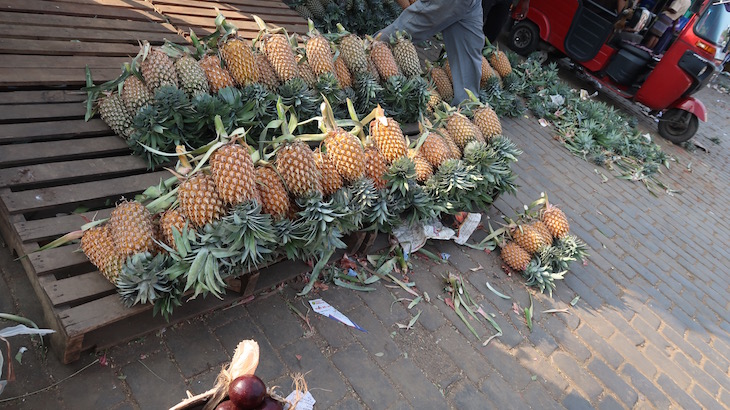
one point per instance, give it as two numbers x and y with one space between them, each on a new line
17 155
76 289
207 9
48 130
35 19
68 48
52 228
69 195
241 20
97 313
37 77
75 62
257 3
90 10
81 34
64 259
26 113
55 173
41 96
130 4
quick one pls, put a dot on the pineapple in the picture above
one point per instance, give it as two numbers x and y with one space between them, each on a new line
199 199
352 50
98 246
515 257
447 70
461 129
281 56
383 59
346 153
454 150
157 68
375 166
435 150
498 59
555 221
331 179
274 198
544 232
131 228
306 73
172 218
373 69
316 7
135 94
239 59
304 11
434 99
319 53
218 77
232 169
144 279
113 112
344 78
424 170
298 168
192 76
266 74
528 238
405 54
443 84
487 121
487 73
387 136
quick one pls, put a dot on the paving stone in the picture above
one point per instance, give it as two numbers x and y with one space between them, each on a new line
155 382
667 365
609 403
416 388
505 363
632 354
569 342
621 323
681 345
270 366
582 379
463 354
464 396
548 375
305 357
381 302
539 398
376 340
196 348
502 394
401 404
204 381
574 401
716 373
366 378
348 404
600 346
280 325
133 350
335 333
645 387
431 318
613 382
106 393
544 341
676 393
707 401
458 259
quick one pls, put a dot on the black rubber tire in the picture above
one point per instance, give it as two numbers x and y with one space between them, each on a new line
675 125
524 37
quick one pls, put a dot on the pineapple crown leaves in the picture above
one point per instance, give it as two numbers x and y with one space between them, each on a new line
399 174
143 278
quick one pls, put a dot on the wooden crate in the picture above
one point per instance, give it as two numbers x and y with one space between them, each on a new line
52 162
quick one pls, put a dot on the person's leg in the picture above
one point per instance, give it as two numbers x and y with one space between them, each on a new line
423 19
495 19
464 41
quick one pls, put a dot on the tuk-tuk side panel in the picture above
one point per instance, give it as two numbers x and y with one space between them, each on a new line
553 18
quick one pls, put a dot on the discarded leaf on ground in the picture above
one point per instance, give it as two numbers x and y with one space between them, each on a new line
528 314
477 268
414 302
575 300
501 295
556 311
19 355
410 324
379 354
348 285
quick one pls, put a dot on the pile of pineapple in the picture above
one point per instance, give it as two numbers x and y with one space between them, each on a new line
539 245
358 16
267 168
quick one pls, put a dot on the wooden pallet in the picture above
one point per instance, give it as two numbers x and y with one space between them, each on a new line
52 162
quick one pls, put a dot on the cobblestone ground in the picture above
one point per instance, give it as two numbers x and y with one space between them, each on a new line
650 329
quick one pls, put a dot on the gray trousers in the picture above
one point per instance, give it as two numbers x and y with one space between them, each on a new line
461 22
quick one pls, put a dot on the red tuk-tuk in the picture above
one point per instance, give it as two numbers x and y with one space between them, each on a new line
584 31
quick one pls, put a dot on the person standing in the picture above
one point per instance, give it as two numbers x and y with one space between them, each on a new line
461 22
666 21
496 15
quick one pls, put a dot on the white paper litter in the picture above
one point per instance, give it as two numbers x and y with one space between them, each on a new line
306 401
468 227
412 238
324 309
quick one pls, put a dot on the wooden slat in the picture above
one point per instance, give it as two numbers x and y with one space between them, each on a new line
207 9
25 112
68 48
242 21
141 12
57 172
53 228
258 3
77 289
97 313
40 96
69 77
33 153
28 132
48 198
16 61
81 34
64 259
44 20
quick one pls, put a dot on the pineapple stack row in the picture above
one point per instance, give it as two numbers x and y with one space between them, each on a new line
541 246
358 16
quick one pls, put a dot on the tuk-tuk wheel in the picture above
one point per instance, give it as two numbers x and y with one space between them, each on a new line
677 125
524 37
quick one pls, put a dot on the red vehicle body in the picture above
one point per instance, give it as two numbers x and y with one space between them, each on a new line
583 30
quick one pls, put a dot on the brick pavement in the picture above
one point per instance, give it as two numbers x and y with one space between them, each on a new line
650 328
